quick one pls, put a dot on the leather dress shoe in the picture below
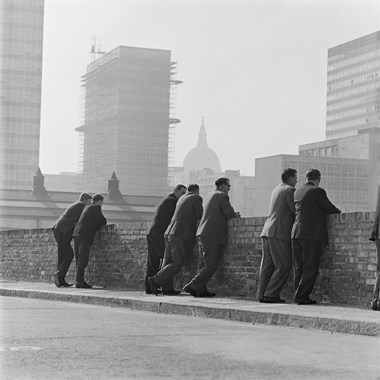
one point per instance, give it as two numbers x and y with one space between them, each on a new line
65 284
153 286
189 289
57 280
83 285
171 292
150 292
206 293
273 300
305 301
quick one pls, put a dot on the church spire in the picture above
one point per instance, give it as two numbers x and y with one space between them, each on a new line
202 136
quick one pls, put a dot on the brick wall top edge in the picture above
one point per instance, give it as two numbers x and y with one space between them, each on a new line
354 216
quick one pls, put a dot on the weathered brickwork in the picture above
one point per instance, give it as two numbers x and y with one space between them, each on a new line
118 259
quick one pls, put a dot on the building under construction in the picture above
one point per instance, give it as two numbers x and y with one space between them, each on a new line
127 120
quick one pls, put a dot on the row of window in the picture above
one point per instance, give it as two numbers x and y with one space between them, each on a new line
350 58
353 92
366 68
353 81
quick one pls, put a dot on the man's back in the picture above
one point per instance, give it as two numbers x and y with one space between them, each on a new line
188 211
67 220
217 211
89 222
281 213
163 215
312 207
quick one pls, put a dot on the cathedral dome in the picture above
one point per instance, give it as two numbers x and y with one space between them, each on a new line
202 157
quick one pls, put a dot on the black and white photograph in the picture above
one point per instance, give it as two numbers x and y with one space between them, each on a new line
190 189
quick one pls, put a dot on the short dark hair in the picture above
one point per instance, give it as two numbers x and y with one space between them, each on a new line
193 187
97 197
180 186
84 197
313 174
222 181
287 173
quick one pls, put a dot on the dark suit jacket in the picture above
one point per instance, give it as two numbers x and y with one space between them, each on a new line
281 213
312 208
187 213
69 218
89 222
163 215
217 211
375 230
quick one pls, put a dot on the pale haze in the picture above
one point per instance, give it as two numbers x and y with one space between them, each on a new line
256 70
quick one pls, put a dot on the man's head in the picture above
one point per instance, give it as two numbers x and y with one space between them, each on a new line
313 176
193 188
97 199
223 185
179 190
289 176
85 198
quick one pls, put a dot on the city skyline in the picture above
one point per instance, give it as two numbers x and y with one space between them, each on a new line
255 70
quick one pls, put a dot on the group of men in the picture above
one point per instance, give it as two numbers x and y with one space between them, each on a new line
80 221
296 227
180 219
295 231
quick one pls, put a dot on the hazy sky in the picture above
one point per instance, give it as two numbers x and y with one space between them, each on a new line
256 70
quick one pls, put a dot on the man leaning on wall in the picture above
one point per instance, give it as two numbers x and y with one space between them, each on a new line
63 233
309 234
155 237
276 261
89 222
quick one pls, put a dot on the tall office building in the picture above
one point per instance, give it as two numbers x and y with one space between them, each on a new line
353 86
127 120
21 35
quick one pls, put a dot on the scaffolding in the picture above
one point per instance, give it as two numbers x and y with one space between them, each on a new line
173 120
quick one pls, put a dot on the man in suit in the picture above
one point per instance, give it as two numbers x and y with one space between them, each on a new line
63 233
309 234
276 261
155 237
212 235
180 238
89 222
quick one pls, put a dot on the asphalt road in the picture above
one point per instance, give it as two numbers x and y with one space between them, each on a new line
58 340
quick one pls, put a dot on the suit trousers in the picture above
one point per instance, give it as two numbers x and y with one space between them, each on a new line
276 264
376 288
175 255
210 253
82 255
65 251
156 249
307 256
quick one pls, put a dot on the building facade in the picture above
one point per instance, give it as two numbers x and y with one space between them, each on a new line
127 119
21 39
345 180
353 86
364 145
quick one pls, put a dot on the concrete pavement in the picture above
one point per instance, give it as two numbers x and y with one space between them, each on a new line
333 318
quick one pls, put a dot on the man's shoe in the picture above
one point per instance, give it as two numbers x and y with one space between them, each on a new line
305 302
65 284
171 292
57 280
153 286
83 285
273 300
206 293
189 289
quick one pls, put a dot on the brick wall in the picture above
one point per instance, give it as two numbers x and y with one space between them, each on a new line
118 259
